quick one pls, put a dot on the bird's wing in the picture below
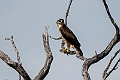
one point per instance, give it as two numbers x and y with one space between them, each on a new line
69 36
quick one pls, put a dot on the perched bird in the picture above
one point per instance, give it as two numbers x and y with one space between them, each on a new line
68 37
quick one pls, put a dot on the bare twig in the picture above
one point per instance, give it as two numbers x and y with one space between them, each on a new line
45 70
68 11
95 52
104 53
55 38
14 46
14 65
115 67
105 74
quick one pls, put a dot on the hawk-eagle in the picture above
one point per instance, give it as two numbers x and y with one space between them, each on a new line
68 37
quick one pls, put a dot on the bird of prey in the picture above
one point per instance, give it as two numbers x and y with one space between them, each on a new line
68 37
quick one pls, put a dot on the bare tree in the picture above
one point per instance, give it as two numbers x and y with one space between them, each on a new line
87 62
18 67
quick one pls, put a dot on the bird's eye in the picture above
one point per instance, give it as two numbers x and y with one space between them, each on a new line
60 21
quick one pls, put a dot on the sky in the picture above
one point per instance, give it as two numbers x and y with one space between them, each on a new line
26 21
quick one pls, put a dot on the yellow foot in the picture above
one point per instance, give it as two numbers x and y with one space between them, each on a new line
66 51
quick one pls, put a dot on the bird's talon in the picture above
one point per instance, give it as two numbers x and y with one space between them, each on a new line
66 51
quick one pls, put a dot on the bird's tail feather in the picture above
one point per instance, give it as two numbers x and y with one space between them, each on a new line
79 51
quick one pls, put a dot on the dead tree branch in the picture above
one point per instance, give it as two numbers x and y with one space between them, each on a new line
68 11
114 68
104 53
45 70
55 38
14 65
105 74
14 46
111 19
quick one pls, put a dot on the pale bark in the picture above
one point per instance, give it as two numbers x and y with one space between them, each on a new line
14 65
49 58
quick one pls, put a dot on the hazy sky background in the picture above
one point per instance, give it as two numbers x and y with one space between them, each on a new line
26 21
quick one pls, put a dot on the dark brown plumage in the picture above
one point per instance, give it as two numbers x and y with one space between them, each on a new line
68 36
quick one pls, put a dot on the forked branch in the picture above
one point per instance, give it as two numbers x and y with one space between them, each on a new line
18 56
105 52
49 58
14 65
18 67
106 74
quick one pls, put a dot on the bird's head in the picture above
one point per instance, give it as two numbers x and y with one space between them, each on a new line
60 22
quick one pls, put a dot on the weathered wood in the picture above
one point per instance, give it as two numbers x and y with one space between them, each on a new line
105 52
49 58
105 73
14 65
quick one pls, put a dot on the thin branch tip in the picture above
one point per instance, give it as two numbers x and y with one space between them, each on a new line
7 38
67 11
105 73
95 52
